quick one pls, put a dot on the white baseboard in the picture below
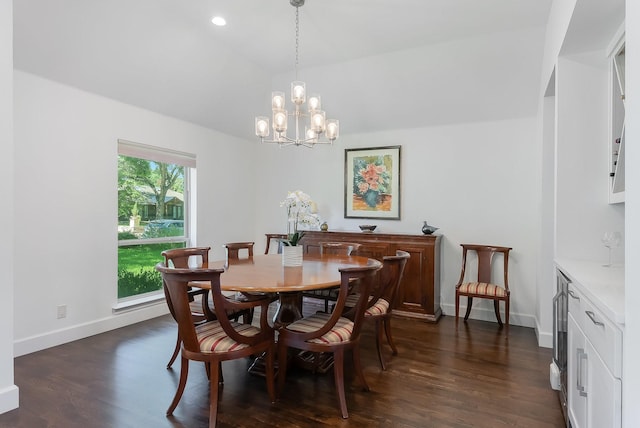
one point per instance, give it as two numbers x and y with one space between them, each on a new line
485 314
9 399
80 331
545 339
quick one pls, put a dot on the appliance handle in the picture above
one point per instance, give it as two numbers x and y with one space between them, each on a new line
582 357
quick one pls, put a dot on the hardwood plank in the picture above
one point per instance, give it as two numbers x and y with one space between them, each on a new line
473 375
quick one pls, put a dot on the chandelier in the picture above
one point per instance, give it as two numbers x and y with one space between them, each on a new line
311 116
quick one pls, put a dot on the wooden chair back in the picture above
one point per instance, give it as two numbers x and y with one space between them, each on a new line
389 279
485 255
237 251
276 237
339 248
181 257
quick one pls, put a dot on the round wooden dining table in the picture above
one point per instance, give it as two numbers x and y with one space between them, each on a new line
265 274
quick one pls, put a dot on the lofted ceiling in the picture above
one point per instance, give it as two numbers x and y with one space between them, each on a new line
166 56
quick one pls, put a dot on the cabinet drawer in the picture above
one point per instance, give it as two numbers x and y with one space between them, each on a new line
605 337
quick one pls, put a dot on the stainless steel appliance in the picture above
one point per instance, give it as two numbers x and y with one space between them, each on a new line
558 369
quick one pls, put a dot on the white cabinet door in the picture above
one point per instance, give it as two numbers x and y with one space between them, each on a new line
604 393
576 374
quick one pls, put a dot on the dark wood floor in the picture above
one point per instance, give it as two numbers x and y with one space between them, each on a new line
473 375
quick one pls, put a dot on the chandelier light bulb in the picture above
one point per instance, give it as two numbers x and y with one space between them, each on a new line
297 92
314 103
277 100
333 129
262 126
280 120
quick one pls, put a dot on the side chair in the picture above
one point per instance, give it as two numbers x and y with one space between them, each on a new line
337 249
200 311
484 287
332 333
381 299
213 342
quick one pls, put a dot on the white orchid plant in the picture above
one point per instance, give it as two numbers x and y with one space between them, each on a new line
301 210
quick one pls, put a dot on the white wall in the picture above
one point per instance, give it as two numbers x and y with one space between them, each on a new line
8 391
66 204
583 213
631 349
478 182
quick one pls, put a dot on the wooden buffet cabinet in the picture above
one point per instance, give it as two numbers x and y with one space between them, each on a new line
419 293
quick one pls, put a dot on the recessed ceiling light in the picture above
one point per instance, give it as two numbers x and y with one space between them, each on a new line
219 21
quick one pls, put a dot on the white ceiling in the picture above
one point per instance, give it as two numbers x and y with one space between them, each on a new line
166 56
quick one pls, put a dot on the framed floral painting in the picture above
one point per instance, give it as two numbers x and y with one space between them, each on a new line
372 183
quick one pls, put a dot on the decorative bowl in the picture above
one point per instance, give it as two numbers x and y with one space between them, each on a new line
367 227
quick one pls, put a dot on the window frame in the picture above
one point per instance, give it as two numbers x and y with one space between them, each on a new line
159 155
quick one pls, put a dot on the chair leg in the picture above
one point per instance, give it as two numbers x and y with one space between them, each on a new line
176 351
469 304
213 395
496 308
457 305
378 334
184 372
247 316
357 365
282 366
387 329
506 311
270 373
338 375
326 306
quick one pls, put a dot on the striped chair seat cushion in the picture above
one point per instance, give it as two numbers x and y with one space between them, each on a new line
378 308
212 337
483 288
341 332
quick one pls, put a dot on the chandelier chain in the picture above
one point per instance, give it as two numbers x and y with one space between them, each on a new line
297 39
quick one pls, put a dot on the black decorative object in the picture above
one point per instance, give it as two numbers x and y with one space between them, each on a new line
428 230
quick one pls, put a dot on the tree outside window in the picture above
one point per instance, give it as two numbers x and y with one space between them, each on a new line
151 218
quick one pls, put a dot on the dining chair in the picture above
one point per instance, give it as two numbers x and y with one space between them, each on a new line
242 252
383 295
338 249
239 251
180 258
484 287
200 302
332 333
276 237
213 342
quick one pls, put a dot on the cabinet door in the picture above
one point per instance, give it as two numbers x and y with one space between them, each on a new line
576 374
604 393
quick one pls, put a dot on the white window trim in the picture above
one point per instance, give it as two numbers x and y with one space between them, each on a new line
157 154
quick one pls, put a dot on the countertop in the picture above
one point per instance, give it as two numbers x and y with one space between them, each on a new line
603 286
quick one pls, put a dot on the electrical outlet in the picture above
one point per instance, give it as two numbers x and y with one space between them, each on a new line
62 311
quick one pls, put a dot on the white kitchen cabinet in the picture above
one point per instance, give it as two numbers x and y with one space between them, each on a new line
617 120
594 364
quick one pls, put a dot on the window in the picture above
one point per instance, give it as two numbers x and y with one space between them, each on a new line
153 213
